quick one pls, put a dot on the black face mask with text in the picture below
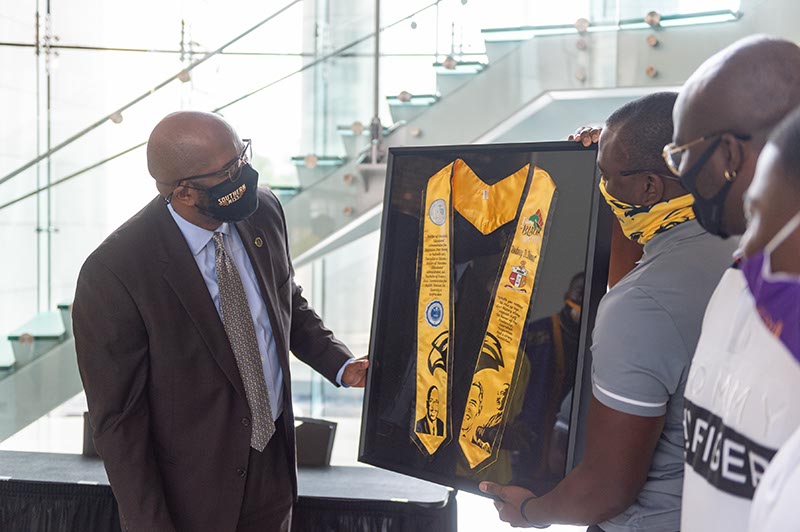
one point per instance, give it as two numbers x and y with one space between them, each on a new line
232 201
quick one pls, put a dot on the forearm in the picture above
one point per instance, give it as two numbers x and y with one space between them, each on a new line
607 481
584 497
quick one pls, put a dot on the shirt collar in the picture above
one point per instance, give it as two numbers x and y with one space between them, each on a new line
196 237
664 241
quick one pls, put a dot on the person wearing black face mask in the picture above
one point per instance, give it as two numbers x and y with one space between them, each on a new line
183 321
723 116
233 199
738 401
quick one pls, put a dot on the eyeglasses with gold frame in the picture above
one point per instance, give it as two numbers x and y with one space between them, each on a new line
233 169
673 153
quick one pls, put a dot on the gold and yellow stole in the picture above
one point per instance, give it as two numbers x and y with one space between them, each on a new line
487 208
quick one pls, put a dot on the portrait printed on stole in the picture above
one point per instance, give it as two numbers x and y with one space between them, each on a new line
479 325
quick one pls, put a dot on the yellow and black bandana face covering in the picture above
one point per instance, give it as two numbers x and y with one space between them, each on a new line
641 223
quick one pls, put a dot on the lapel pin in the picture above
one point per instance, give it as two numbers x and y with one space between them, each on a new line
259 242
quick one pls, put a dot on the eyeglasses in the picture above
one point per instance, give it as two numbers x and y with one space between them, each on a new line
233 169
673 153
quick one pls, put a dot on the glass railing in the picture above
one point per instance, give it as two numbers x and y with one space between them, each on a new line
301 86
297 85
295 92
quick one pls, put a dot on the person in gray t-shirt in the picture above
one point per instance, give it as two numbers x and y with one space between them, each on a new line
646 331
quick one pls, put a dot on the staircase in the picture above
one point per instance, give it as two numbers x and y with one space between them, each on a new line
38 370
533 84
536 84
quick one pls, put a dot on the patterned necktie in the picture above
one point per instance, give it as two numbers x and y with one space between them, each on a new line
238 322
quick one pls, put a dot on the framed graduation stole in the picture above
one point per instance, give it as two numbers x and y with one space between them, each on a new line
493 259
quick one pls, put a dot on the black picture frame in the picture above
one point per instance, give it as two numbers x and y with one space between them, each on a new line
598 246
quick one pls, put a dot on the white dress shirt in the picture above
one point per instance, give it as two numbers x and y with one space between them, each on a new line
202 248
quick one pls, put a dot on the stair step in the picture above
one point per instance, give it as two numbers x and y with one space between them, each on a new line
355 144
65 309
524 33
44 384
6 356
496 50
39 335
462 68
325 165
285 193
450 79
405 111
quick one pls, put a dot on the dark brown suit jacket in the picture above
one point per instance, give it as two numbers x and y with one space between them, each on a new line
166 400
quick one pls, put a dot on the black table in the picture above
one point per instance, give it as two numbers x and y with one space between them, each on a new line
64 492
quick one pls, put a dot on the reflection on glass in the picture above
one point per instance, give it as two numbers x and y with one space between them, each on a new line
539 442
469 406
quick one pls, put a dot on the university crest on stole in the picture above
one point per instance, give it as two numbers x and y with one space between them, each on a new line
518 277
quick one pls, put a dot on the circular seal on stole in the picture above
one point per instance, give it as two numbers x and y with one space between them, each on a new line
438 212
434 313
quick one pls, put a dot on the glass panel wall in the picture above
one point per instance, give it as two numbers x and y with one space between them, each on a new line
340 286
300 84
289 85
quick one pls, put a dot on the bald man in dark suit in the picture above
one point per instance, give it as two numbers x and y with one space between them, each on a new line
184 318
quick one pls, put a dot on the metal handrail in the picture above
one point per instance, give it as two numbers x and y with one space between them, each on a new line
335 53
623 24
71 176
75 47
311 64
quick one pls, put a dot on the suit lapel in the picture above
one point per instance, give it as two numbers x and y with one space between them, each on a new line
264 267
183 275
